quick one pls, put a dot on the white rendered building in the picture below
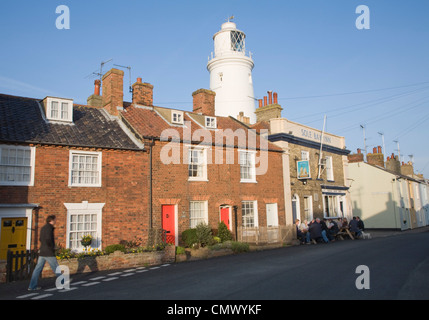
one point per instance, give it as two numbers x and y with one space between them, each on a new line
231 74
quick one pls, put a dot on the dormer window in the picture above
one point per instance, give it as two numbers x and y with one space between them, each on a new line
177 117
211 123
58 109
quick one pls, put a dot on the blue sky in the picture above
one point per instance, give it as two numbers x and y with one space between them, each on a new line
309 51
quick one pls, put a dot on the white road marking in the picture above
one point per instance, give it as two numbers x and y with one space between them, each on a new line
42 296
67 290
90 284
27 295
97 278
111 278
77 283
114 274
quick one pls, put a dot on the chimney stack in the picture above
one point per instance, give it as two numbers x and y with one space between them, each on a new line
356 157
393 164
376 158
142 93
269 110
204 102
113 91
95 100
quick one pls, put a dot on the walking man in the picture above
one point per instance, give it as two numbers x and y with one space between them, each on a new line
47 252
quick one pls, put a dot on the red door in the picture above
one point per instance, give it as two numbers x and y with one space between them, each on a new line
224 216
168 223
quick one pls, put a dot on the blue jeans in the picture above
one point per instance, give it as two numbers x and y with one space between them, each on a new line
39 267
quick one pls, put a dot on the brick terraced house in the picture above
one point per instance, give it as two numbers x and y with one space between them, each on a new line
77 162
206 168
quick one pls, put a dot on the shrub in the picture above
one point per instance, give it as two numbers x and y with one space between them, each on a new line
238 247
189 237
204 235
114 247
180 250
223 233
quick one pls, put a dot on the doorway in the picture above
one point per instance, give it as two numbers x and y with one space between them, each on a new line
168 222
13 235
225 216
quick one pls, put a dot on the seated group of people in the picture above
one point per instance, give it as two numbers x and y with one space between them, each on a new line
325 230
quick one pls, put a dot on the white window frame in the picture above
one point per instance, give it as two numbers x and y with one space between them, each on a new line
335 201
244 215
59 117
329 169
252 170
309 210
84 208
202 163
204 218
179 117
305 155
210 122
99 167
31 165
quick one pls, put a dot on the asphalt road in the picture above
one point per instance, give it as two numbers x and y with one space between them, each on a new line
398 269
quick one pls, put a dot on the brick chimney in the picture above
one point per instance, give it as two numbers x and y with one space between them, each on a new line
356 157
95 100
142 93
242 118
204 102
376 157
113 91
268 111
393 164
407 169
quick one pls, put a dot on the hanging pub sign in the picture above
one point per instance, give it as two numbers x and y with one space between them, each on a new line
303 169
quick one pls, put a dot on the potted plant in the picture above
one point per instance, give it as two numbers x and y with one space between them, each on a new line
86 241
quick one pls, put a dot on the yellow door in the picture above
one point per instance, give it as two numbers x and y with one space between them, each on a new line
13 235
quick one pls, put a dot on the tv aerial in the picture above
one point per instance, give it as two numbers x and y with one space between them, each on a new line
129 73
100 73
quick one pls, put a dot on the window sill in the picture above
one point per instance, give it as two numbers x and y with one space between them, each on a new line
198 179
84 186
248 181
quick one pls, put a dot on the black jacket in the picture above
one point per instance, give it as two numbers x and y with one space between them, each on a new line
47 241
315 230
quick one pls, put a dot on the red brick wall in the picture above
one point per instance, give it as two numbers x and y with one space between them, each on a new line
171 186
124 191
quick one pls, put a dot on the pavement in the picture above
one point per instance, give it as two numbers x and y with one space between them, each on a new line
377 233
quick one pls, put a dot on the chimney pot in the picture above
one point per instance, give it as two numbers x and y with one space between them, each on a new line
379 149
97 87
359 151
139 80
270 97
260 103
374 150
265 101
275 97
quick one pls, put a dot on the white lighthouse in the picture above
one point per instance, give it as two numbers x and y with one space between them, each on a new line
231 73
